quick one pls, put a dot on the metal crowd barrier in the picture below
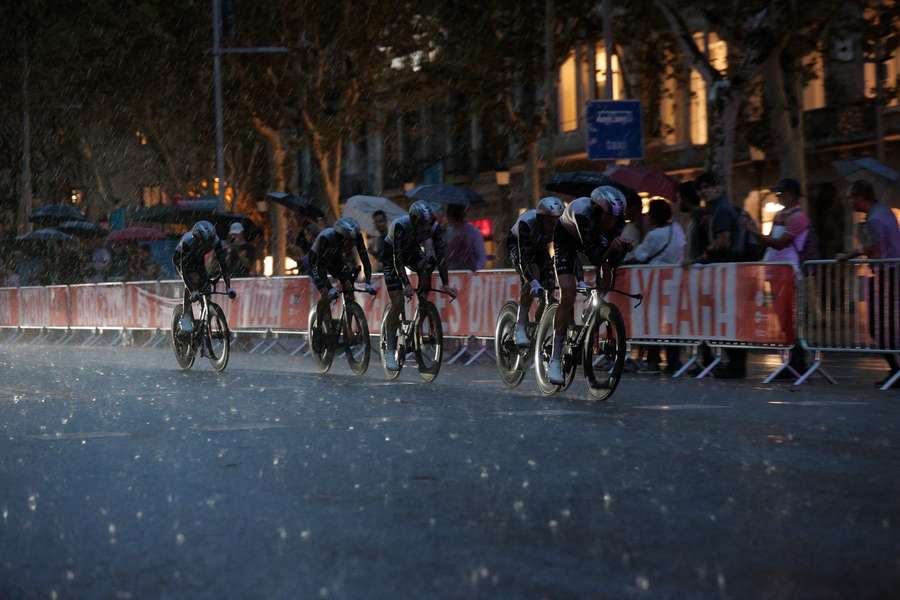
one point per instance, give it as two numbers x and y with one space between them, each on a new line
851 307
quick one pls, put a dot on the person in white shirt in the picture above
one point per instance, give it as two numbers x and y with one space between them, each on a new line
663 245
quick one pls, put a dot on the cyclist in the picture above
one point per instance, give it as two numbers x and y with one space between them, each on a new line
403 247
526 245
190 262
332 253
591 226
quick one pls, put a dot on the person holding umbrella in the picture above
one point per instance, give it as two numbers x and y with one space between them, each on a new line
403 248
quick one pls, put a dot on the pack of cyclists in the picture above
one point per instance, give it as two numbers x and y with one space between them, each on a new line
589 227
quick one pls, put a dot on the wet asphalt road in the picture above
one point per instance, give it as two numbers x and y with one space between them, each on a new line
121 477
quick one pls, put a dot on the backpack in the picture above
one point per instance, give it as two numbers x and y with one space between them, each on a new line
811 249
748 243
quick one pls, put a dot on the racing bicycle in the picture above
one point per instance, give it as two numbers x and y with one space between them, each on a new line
350 331
211 335
513 360
598 344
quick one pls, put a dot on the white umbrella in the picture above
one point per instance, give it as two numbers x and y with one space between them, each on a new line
883 178
361 208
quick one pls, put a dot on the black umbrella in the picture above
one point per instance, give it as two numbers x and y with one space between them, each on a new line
443 193
84 229
300 204
47 234
53 214
582 183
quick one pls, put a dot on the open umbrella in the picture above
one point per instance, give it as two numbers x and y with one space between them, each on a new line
301 204
645 179
47 234
136 234
444 193
883 178
84 229
582 183
361 208
54 214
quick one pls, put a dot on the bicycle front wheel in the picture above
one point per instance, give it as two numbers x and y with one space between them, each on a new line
358 344
184 348
543 350
604 352
510 361
320 341
429 341
218 337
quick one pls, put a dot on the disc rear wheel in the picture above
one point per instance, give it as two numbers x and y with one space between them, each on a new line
511 362
321 344
182 345
357 342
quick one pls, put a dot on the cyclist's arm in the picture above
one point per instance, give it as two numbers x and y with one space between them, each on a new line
317 269
527 252
440 253
399 243
364 259
223 263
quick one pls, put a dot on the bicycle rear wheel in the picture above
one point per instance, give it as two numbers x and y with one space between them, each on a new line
387 331
510 361
429 341
183 347
321 344
604 345
218 337
358 343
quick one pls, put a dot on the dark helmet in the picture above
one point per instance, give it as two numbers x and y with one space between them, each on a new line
614 199
420 213
204 231
347 228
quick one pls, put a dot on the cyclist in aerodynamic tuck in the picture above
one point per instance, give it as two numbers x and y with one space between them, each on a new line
403 247
591 226
527 247
189 261
332 254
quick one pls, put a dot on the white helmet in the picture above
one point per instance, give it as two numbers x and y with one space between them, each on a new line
347 228
420 213
551 206
615 199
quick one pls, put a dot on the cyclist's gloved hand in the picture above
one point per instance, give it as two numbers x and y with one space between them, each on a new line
581 285
370 289
333 294
536 288
232 294
195 296
450 290
408 291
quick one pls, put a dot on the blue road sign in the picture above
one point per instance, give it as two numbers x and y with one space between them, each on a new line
614 130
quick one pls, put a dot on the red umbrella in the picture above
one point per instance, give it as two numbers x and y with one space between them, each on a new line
645 179
136 234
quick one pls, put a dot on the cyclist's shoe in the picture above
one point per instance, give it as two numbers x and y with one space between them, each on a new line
186 325
555 372
390 358
521 335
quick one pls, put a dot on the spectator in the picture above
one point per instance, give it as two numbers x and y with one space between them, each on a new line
376 242
789 236
722 231
240 256
663 245
465 244
101 261
141 266
880 237
635 226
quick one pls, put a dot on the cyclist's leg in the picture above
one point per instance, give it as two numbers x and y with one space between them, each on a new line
566 263
394 286
194 281
525 299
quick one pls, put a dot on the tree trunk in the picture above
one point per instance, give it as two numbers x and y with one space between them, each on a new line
786 115
474 144
25 191
879 103
533 173
330 166
723 112
92 210
278 180
375 152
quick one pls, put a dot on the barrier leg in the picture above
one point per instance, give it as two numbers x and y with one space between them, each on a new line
816 366
695 357
258 345
785 364
304 344
463 350
716 360
890 382
481 351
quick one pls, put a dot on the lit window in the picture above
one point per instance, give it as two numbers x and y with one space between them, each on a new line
568 96
891 70
670 108
151 195
814 90
718 57
76 196
618 83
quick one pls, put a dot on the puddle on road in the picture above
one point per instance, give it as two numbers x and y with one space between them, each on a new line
239 427
542 413
682 406
818 403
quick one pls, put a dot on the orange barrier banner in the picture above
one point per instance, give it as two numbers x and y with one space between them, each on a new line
101 305
150 306
9 307
34 307
58 301
748 303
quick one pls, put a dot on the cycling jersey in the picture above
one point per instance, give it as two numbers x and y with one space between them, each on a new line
403 248
189 261
328 256
580 230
